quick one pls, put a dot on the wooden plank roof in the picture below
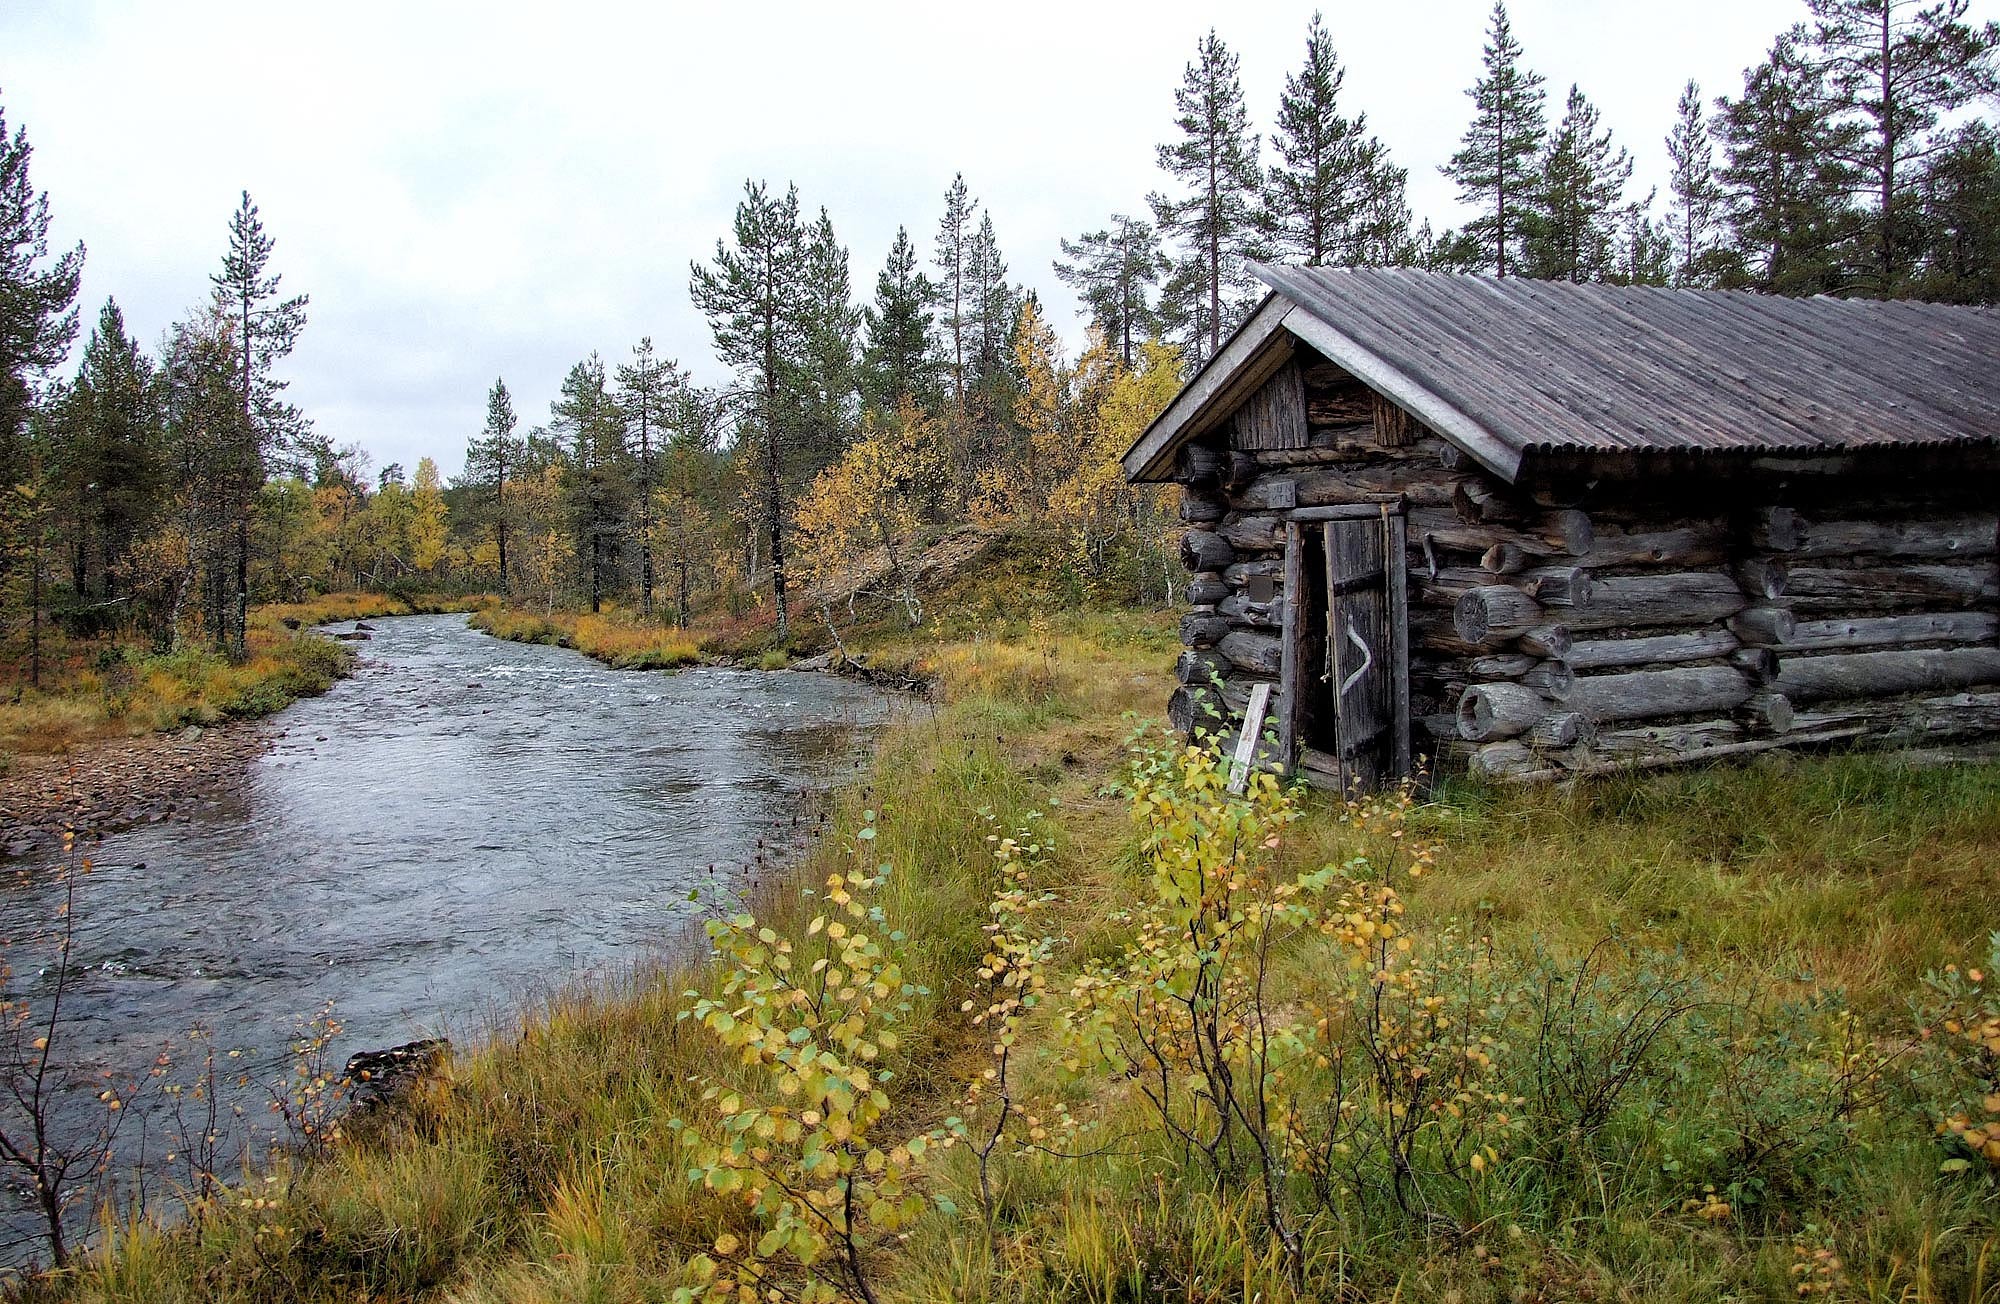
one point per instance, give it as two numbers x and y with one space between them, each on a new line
1515 368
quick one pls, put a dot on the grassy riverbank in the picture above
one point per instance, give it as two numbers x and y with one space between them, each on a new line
102 688
1767 930
616 637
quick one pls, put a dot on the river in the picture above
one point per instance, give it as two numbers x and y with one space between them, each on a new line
460 823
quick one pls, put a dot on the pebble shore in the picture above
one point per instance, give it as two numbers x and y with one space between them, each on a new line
103 787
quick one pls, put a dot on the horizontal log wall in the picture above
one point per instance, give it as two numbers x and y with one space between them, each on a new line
1561 631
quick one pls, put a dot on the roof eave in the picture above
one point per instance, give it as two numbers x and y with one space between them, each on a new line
1209 396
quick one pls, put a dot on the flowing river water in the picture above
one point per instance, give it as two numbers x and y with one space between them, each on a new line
462 822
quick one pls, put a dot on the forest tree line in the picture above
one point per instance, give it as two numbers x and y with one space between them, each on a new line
163 493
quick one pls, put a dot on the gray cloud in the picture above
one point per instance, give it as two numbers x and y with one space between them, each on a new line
471 191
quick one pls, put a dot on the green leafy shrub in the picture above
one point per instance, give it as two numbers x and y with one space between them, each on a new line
798 1146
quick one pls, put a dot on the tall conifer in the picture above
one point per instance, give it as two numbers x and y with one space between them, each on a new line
109 462
1895 68
1212 221
1113 271
1334 198
649 399
1788 189
896 356
38 320
586 419
750 297
491 458
993 307
1572 231
1495 167
952 249
266 329
1694 213
824 378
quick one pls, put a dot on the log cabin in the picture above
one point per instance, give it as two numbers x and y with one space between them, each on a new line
1532 529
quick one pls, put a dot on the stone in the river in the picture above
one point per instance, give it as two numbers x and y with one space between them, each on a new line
379 1077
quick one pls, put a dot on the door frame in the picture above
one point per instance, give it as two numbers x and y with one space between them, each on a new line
1306 605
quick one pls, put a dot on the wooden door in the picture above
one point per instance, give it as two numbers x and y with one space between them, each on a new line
1365 676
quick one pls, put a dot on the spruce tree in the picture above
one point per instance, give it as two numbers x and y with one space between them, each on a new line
1213 220
649 400
1571 233
1895 68
1787 187
1113 271
896 356
824 371
1645 248
952 249
1334 198
993 307
750 297
1495 167
585 418
265 329
494 455
204 427
1694 215
108 465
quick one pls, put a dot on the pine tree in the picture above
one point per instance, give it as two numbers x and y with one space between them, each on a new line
649 399
1112 271
266 329
750 297
896 357
1495 167
952 249
1785 183
1449 250
1571 232
38 323
1694 216
490 459
1960 197
1895 69
1214 220
1334 199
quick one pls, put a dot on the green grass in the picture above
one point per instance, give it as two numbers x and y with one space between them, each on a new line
1782 893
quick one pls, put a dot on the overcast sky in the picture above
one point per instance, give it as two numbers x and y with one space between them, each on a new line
477 190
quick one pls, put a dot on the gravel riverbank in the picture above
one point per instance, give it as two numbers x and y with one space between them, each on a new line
103 787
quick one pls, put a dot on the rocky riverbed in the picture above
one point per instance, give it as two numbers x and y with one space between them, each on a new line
117 784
